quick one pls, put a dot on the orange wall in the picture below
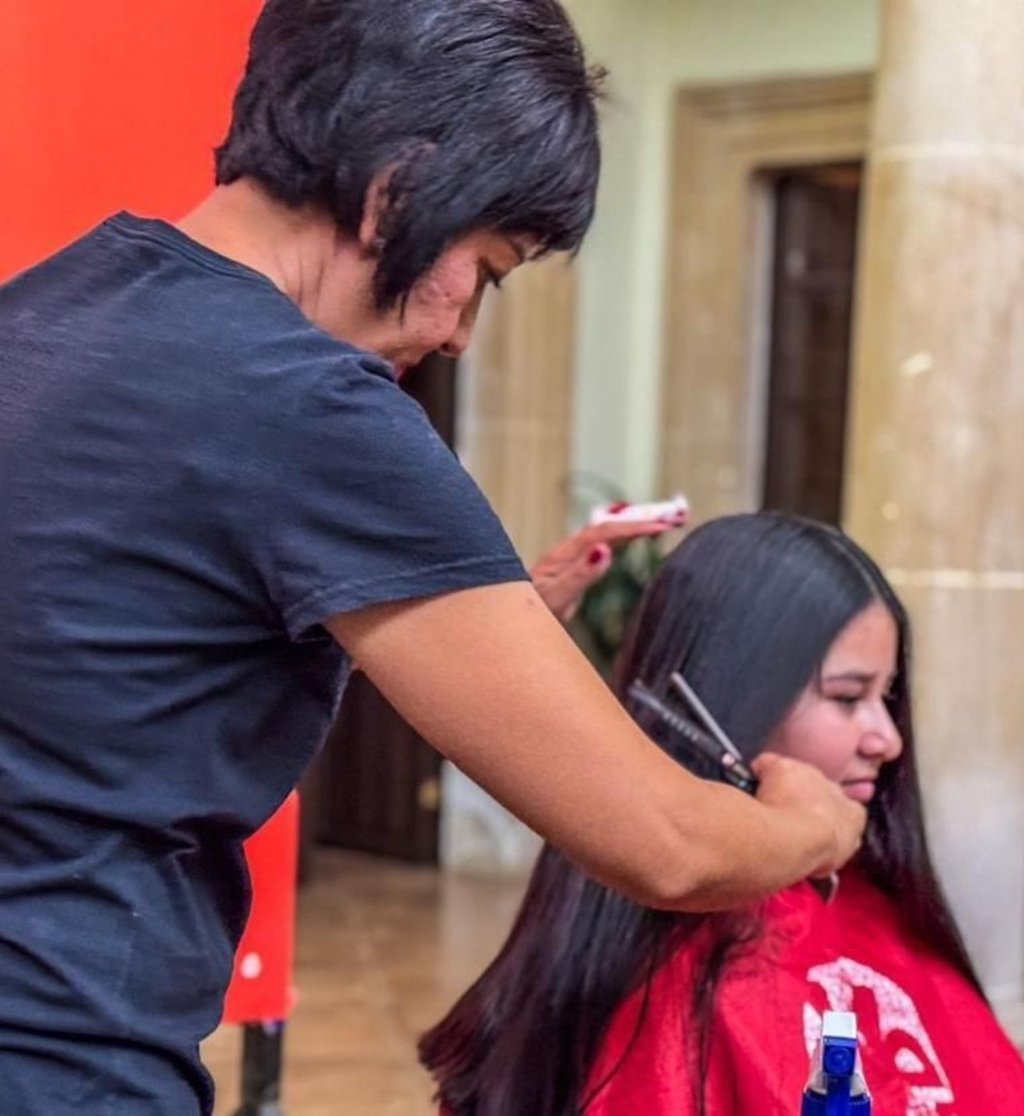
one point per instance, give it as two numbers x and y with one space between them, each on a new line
108 105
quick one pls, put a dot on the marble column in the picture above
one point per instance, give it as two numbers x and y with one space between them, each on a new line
514 427
515 412
935 485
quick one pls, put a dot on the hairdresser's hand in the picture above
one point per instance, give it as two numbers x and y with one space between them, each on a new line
813 803
568 570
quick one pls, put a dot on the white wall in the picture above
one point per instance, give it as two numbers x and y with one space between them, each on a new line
650 48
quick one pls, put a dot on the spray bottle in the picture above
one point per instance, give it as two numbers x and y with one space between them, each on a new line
836 1086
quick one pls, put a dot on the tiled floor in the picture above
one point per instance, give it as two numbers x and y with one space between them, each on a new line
383 950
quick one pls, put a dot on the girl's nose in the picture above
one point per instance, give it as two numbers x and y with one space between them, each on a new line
882 740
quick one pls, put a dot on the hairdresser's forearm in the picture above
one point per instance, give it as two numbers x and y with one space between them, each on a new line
724 849
491 679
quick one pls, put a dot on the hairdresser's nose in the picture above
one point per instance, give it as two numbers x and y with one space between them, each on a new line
881 741
458 342
456 345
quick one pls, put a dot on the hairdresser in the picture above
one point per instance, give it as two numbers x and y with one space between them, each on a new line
214 496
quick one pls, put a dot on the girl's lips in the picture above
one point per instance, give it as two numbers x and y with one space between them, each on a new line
860 790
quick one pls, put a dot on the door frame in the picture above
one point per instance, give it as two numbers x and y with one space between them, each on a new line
719 271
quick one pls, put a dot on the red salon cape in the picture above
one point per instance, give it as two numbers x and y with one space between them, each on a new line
930 1045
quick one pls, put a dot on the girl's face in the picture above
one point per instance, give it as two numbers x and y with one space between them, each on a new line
840 723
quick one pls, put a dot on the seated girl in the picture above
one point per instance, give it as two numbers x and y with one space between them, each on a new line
797 645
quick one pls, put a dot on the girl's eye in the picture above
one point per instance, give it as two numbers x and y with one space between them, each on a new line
847 701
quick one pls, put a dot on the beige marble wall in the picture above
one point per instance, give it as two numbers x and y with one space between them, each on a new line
936 463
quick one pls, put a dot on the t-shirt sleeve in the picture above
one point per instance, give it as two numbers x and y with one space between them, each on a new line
362 503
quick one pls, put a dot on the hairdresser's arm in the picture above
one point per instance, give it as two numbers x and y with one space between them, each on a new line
492 680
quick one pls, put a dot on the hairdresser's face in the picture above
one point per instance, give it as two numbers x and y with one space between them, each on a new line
840 723
443 305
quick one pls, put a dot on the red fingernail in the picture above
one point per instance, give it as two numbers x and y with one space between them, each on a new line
596 556
619 505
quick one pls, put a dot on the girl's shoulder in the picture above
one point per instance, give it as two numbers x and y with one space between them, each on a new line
765 981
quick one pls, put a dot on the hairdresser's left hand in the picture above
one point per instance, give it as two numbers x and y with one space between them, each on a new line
568 570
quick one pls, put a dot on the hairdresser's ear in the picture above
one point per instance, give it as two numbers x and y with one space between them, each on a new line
375 207
379 198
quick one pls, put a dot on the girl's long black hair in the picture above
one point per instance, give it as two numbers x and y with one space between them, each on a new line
747 608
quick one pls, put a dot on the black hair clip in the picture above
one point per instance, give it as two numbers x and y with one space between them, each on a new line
706 736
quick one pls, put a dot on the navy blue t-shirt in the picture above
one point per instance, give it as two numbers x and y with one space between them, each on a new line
193 477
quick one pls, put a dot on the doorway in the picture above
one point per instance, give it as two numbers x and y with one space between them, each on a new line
719 283
816 210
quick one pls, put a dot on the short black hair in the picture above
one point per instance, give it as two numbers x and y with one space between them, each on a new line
485 109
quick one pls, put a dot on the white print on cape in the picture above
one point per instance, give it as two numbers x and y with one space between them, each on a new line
889 1024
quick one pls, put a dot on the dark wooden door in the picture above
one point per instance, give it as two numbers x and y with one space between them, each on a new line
817 212
377 783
